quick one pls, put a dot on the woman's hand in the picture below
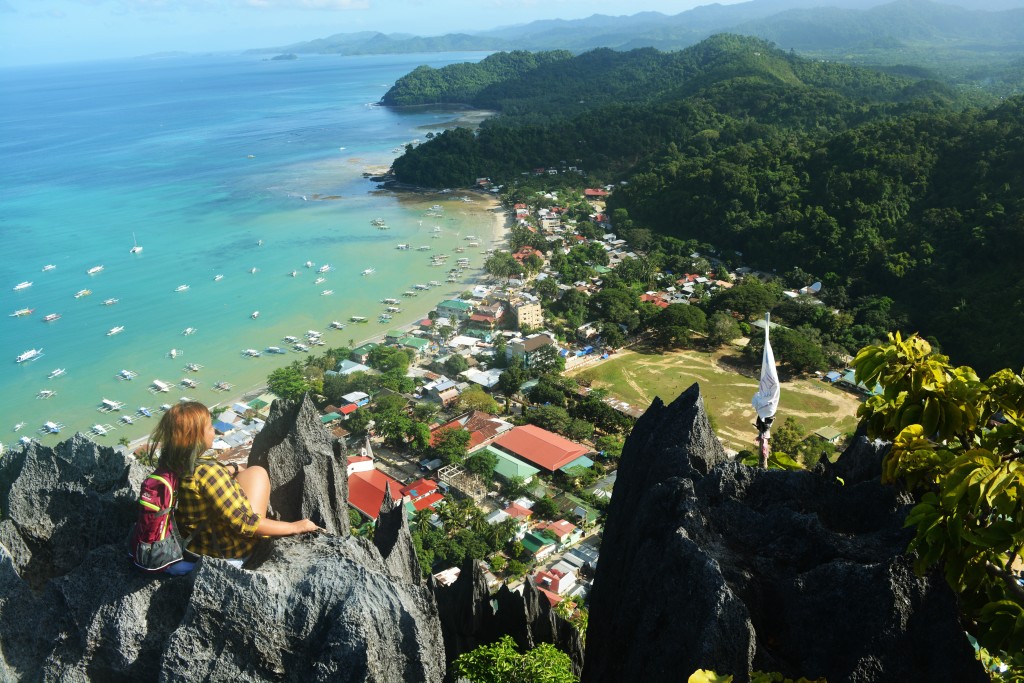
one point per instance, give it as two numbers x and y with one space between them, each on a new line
304 526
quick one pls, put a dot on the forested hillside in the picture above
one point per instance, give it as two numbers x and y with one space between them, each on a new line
873 183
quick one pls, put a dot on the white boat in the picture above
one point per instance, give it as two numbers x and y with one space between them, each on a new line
357 319
452 278
107 405
127 375
337 325
48 266
294 273
50 427
22 285
224 386
46 393
425 247
301 348
99 430
434 283
254 270
115 330
319 280
110 302
190 383
161 386
94 270
394 309
165 407
327 292
389 300
313 333
384 317
271 349
181 288
290 339
136 249
324 268
470 238
218 278
254 315
193 367
377 222
18 426
402 247
82 292
369 271
252 353
259 243
144 411
421 287
308 264
22 311
127 419
409 293
474 244
30 355
188 330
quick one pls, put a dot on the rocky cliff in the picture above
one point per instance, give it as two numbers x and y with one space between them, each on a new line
317 608
707 563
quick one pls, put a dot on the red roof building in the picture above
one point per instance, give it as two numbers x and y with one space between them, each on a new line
561 529
419 489
366 491
540 447
517 511
427 501
592 192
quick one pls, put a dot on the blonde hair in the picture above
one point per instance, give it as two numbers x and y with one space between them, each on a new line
180 435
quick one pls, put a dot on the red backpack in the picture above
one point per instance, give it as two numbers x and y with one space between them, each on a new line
154 542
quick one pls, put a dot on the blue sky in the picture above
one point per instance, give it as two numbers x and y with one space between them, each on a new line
42 31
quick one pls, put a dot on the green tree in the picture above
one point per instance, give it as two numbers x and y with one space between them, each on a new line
610 445
455 364
956 443
546 361
545 508
501 264
501 662
749 298
722 329
552 418
510 380
482 464
475 398
450 444
288 382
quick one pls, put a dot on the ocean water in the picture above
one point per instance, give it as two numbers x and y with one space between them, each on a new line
216 165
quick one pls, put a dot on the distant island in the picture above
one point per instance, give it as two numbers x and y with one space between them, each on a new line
284 57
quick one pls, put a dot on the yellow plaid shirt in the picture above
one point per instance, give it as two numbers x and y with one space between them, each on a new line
214 502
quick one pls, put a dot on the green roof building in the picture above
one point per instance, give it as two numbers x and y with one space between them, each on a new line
415 343
510 466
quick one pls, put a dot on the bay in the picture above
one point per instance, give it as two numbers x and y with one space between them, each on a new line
216 165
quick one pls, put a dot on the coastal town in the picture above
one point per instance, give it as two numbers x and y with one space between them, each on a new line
476 418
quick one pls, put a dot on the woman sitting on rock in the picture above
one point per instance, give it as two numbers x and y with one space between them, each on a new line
223 508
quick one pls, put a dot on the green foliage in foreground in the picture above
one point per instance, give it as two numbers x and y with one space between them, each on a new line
501 662
958 443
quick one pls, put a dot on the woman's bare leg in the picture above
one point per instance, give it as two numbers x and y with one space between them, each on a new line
255 482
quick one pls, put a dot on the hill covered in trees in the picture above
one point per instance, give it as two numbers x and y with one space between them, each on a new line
874 183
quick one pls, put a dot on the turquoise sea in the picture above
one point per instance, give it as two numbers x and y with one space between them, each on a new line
217 165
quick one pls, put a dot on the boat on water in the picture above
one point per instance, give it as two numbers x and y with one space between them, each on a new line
377 222
393 309
327 292
301 348
188 330
100 430
254 270
425 247
164 407
470 238
56 373
115 330
181 288
319 280
110 302
254 315
127 375
127 419
225 386
369 271
22 285
108 404
145 412
22 311
50 427
136 249
30 355
193 367
402 247
94 270
421 287
384 317
290 339
313 333
251 353
357 319
18 426
294 273
308 264
46 393
174 353
272 349
335 325
389 300
409 293
324 268
434 283
218 278
452 278
188 382
49 266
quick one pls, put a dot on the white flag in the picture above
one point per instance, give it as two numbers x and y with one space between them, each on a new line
766 400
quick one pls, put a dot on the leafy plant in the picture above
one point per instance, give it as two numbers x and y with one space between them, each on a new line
501 662
957 444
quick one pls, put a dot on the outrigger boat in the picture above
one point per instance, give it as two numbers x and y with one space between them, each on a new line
22 311
188 330
46 393
115 330
94 270
110 302
56 373
82 292
22 285
136 249
181 288
30 355
337 325
127 375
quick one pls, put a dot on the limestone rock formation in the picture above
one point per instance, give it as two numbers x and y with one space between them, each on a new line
711 564
317 608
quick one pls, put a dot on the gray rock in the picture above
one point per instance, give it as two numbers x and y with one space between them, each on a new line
711 564
394 541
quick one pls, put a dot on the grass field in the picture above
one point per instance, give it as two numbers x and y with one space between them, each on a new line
637 377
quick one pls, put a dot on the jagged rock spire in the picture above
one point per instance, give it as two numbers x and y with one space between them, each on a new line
394 540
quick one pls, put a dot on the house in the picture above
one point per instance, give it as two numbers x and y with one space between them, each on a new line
539 447
454 309
361 354
594 193
509 467
359 463
482 427
525 349
555 580
357 398
442 390
420 495
529 315
417 344
522 515
525 252
347 367
366 491
566 532
829 434
485 378
538 543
